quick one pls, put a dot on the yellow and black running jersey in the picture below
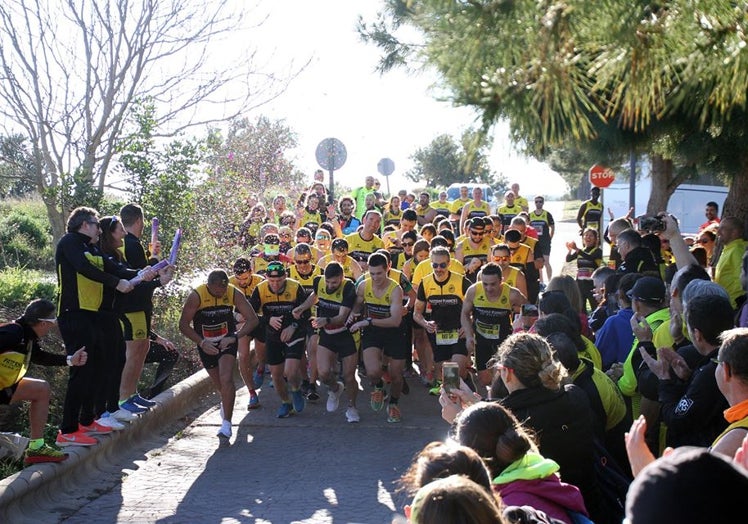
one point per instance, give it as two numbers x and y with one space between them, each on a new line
310 220
277 304
592 214
542 223
442 209
360 249
444 299
306 281
478 211
424 268
260 264
329 303
492 319
457 205
378 307
392 218
480 251
509 275
347 264
251 284
520 256
215 315
508 213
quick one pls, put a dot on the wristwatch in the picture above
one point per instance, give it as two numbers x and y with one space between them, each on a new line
369 320
69 360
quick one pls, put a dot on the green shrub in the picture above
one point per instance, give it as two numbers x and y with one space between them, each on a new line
19 286
25 235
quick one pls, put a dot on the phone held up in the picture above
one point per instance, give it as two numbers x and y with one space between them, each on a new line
450 376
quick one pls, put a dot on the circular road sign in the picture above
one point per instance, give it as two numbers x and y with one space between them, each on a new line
601 176
331 154
386 166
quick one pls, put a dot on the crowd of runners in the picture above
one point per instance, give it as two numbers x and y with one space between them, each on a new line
591 375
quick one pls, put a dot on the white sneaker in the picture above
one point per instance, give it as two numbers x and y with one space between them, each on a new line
351 415
225 431
122 415
107 420
333 397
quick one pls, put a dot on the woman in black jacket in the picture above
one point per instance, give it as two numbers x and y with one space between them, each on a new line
560 415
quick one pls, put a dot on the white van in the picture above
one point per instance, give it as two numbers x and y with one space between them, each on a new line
453 192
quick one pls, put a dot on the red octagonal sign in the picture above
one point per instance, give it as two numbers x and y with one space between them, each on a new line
601 176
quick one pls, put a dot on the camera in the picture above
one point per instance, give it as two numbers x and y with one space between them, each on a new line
651 224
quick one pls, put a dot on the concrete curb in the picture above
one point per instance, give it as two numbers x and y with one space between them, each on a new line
43 479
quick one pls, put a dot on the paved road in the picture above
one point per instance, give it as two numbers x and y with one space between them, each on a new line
312 467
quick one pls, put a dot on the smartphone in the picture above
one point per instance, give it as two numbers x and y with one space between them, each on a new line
450 376
529 310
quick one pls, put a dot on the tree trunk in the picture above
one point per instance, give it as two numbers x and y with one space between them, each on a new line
736 203
664 183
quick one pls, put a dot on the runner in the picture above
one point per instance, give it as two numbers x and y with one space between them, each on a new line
365 242
208 320
443 291
335 297
487 317
382 298
473 250
277 296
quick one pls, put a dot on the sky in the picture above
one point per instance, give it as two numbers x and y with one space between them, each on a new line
340 95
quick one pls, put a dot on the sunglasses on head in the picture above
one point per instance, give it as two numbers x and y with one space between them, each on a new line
439 265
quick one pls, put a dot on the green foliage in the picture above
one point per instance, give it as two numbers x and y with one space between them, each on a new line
18 287
25 236
445 161
16 167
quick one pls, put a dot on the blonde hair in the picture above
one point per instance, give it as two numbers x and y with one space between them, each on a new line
532 360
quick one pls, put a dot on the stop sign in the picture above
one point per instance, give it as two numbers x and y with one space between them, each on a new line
601 176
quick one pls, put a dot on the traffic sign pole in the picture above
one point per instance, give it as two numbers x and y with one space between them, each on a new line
331 155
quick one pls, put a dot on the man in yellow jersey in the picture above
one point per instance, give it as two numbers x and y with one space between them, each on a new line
590 212
473 251
246 282
365 242
519 199
304 271
277 297
523 258
477 207
208 320
442 206
544 224
455 211
382 335
423 209
339 254
335 297
424 267
508 211
443 291
515 277
487 317
408 222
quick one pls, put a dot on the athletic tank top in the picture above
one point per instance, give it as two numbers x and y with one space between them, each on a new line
445 300
592 214
360 249
520 255
311 220
329 304
492 319
251 285
378 307
540 223
508 213
478 211
214 318
307 282
392 219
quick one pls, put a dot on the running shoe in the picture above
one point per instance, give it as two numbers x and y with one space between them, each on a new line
299 402
312 394
285 410
140 401
258 376
43 454
108 421
225 431
377 399
94 428
254 401
393 414
437 389
122 415
428 379
132 407
351 415
77 438
333 397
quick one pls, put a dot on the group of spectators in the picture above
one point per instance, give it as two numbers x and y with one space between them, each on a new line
588 378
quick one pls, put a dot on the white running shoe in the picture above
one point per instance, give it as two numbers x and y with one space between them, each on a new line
108 420
225 431
351 415
122 415
333 397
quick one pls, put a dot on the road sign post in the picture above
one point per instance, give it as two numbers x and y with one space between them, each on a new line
331 155
386 167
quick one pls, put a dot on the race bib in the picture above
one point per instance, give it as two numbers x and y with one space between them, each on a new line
447 338
215 332
487 330
584 274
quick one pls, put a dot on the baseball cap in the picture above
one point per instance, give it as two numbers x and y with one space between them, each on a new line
648 289
275 269
512 235
339 243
